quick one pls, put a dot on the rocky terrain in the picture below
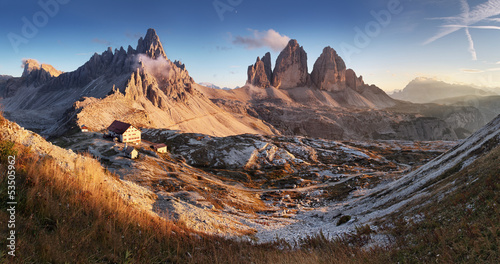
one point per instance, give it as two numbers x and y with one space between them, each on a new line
489 106
247 184
263 187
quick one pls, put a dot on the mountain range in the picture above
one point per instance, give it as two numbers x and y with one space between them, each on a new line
211 85
428 90
145 88
333 102
141 86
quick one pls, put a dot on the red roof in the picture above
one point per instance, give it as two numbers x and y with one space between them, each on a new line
160 145
119 127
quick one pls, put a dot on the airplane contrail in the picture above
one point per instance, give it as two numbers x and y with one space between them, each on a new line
466 20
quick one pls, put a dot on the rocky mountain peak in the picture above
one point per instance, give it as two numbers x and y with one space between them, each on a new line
329 71
37 73
29 66
354 82
267 65
260 74
151 45
291 67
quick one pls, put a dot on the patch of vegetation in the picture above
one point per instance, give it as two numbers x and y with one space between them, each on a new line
109 153
6 150
344 219
339 191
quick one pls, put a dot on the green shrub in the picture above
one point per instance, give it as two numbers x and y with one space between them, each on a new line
6 150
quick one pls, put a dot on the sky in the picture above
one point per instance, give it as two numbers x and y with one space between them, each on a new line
388 42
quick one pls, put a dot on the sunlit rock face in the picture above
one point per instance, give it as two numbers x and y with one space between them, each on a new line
290 70
260 74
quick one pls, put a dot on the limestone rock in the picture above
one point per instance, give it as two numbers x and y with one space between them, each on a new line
267 66
291 67
151 45
329 72
353 81
36 73
260 74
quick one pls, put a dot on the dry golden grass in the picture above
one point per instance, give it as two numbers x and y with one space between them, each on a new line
65 217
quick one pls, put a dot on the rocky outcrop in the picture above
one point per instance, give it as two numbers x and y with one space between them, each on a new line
178 79
142 84
110 64
329 72
37 74
353 81
267 66
290 70
260 74
339 124
120 66
151 45
5 77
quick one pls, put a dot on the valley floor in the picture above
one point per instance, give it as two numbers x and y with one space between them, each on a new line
258 187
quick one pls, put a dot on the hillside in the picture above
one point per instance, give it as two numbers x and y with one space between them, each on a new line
313 113
488 105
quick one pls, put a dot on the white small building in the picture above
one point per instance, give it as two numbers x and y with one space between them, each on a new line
125 132
130 152
84 128
160 148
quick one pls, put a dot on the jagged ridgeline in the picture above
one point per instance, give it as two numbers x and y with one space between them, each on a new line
140 86
333 102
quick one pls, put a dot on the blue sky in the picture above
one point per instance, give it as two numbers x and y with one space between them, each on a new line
452 40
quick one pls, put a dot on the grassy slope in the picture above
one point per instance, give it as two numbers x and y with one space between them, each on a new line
77 218
463 227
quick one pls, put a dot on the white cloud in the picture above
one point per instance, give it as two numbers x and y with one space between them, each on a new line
471 70
479 71
269 38
160 67
101 41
